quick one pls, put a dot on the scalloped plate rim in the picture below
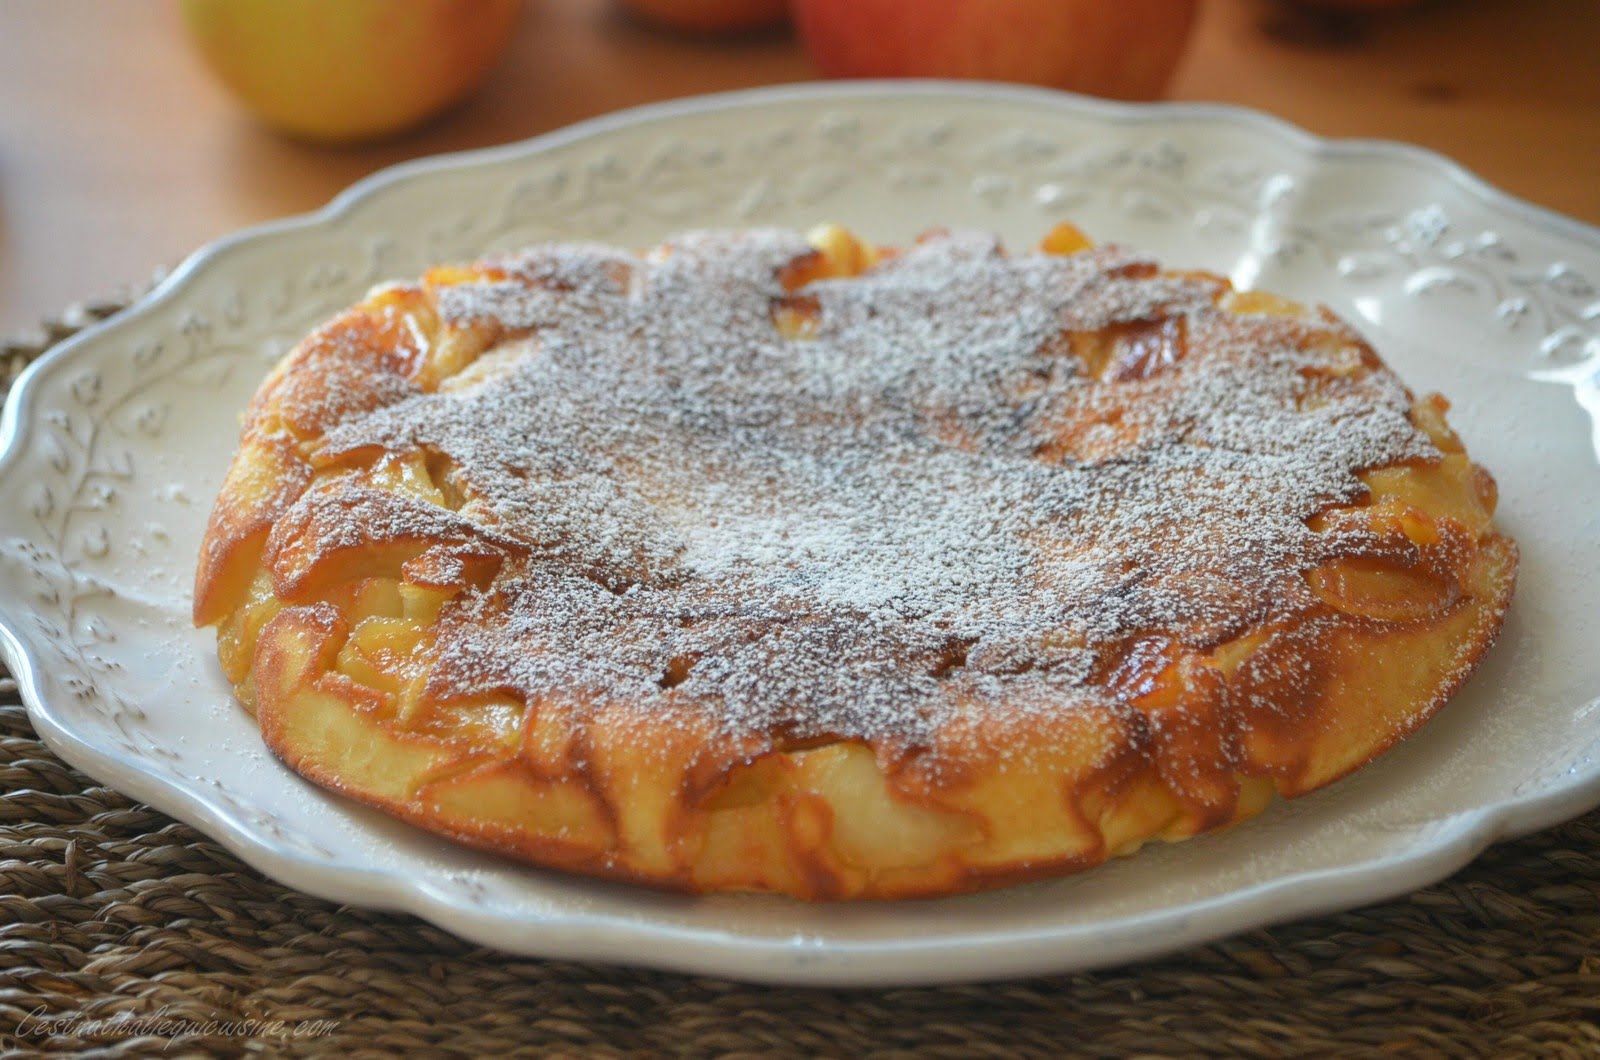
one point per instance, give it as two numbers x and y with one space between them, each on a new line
978 955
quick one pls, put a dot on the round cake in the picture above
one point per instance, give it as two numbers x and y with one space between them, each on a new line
781 563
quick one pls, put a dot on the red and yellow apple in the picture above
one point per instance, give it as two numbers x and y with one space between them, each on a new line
1122 48
1356 5
711 16
350 69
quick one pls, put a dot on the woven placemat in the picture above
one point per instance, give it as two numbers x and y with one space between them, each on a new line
125 932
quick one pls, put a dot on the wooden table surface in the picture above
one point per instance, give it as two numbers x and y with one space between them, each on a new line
118 153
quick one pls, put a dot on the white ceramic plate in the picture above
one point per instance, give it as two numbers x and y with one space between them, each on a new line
115 444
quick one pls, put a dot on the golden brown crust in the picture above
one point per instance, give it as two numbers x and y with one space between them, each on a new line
335 572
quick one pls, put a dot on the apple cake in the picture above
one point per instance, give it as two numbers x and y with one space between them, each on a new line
769 562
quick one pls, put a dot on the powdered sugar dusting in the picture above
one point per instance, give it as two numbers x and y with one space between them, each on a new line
937 503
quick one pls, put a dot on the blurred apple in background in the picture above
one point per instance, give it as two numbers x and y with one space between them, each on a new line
1122 48
340 70
711 16
1355 5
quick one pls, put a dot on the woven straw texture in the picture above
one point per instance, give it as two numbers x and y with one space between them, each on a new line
123 932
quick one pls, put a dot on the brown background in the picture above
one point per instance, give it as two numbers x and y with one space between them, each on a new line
118 153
